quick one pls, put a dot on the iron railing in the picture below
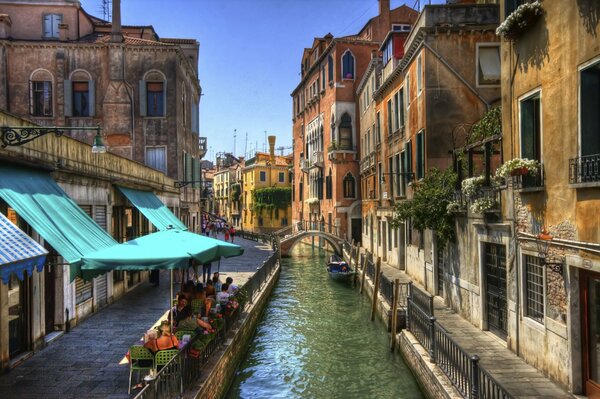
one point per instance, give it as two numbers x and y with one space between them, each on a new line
258 279
584 169
463 370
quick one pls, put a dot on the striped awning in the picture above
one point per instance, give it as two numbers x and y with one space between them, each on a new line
18 251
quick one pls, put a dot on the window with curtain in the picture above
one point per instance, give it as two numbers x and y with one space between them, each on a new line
155 99
348 65
156 158
349 186
81 99
531 127
41 98
488 65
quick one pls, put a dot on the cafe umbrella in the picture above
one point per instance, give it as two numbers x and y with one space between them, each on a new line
169 249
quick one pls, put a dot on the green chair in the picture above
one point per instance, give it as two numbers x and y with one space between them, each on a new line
161 358
180 333
140 358
197 305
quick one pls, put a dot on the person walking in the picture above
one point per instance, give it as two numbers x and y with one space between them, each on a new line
231 233
226 234
206 271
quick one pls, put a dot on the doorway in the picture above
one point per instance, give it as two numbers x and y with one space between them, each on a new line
50 290
590 299
495 288
18 320
356 230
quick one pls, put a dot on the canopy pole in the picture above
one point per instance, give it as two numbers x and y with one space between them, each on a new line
219 266
171 303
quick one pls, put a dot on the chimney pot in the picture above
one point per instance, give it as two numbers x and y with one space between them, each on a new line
116 34
272 147
384 7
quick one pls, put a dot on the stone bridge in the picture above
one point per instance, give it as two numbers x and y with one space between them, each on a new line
288 242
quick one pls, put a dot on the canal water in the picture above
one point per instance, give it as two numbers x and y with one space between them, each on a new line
316 341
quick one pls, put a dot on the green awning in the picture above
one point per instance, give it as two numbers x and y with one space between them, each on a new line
36 197
170 249
153 208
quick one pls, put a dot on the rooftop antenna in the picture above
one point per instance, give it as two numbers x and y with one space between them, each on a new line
105 9
234 138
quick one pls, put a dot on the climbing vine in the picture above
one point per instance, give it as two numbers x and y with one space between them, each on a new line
236 191
271 199
427 208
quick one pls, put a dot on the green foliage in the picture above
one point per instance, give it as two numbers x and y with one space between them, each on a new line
428 207
271 198
236 191
489 125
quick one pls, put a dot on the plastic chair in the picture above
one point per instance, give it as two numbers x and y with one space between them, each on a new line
197 305
180 333
140 358
161 358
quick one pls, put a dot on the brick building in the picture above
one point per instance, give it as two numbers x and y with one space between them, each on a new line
61 66
326 122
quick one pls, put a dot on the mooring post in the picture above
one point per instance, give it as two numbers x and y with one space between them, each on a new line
396 296
376 288
364 271
408 289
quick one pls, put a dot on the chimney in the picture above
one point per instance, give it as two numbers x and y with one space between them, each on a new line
116 34
272 148
384 7
63 32
5 24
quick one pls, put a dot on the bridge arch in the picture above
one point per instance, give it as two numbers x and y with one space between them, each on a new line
287 243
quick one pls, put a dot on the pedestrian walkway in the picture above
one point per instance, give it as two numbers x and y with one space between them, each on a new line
87 362
519 378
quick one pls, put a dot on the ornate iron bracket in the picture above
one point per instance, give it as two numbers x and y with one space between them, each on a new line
180 184
19 135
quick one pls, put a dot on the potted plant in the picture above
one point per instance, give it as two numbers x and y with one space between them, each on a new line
522 17
481 205
472 186
518 167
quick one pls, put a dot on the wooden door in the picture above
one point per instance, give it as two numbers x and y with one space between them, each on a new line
590 299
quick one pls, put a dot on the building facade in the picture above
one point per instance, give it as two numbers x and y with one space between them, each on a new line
68 68
326 125
266 195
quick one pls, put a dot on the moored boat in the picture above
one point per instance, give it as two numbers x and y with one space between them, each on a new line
339 269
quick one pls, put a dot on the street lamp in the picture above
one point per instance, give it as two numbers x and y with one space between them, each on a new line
544 238
18 135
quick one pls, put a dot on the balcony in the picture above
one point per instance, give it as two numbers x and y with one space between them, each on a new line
343 150
202 146
317 159
584 169
367 164
304 165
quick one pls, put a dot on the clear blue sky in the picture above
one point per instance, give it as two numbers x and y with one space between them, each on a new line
250 53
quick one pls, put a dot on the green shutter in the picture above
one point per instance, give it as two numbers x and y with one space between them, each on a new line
143 98
188 167
420 155
527 129
68 100
92 97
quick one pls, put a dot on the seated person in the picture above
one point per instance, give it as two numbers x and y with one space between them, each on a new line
180 311
194 324
210 289
201 295
223 296
233 289
188 290
216 282
165 341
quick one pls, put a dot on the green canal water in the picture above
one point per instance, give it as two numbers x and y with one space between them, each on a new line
316 341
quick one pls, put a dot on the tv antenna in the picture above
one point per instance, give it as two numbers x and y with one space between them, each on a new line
106 9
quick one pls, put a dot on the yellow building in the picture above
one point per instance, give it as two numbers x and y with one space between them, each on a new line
267 191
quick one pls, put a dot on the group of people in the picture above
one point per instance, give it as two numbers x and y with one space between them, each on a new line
211 295
213 228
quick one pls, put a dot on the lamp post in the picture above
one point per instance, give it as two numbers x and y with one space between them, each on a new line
544 239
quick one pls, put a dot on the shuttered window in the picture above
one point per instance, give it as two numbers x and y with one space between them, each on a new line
421 154
590 110
531 128
51 22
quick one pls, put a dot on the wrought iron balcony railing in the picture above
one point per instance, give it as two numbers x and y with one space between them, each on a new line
584 169
531 181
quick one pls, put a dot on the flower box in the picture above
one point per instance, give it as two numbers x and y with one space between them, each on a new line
519 171
522 18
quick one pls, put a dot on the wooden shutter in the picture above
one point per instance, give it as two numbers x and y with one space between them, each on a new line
92 97
83 290
165 98
100 216
196 175
68 90
143 98
420 155
188 167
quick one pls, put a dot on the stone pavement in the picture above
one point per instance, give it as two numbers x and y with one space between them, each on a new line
88 362
519 378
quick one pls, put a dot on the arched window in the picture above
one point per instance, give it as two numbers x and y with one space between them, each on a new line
153 94
349 186
80 94
348 65
346 131
41 93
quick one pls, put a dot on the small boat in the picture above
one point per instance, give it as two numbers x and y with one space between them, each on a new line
338 268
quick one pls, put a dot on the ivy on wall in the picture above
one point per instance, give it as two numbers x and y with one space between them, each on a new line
272 199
